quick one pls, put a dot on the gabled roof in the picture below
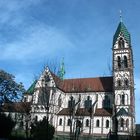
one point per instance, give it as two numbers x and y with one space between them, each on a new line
122 29
99 84
122 112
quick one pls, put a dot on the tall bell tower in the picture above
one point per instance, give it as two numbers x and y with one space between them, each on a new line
123 81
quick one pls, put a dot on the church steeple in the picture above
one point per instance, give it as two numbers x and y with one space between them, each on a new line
123 81
122 31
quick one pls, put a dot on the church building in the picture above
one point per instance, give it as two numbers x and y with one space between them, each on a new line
89 106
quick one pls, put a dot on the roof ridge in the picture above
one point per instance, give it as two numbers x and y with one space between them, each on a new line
88 78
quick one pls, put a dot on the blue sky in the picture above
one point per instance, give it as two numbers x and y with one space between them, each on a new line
34 32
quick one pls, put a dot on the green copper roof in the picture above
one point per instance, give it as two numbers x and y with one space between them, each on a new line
61 71
122 112
122 29
31 88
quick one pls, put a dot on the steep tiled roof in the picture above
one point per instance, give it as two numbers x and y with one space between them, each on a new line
103 112
85 112
100 84
122 29
79 112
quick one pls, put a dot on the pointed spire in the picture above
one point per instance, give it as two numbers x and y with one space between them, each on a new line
121 29
121 16
61 71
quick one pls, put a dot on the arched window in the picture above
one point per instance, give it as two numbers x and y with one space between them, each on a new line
106 102
107 123
71 102
127 123
36 118
69 122
119 61
60 121
121 43
59 101
88 103
125 62
97 123
123 99
119 83
126 83
87 122
122 122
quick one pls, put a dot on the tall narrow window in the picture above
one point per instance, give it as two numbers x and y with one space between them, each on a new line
71 102
121 43
119 83
107 123
69 122
106 102
59 101
123 99
88 103
122 122
60 122
125 62
126 83
87 122
97 123
127 123
119 61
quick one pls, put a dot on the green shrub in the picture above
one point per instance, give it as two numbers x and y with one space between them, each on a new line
42 130
6 125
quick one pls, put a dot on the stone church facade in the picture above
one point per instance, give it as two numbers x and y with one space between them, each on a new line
95 106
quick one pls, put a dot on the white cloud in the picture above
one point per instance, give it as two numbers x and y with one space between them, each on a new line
36 43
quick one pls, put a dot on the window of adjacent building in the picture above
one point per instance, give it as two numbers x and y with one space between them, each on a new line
107 123
87 122
60 121
88 102
125 62
69 122
71 102
97 123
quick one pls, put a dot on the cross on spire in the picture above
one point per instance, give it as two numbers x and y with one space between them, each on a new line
120 16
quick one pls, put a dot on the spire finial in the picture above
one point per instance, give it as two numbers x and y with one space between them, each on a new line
61 71
120 16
